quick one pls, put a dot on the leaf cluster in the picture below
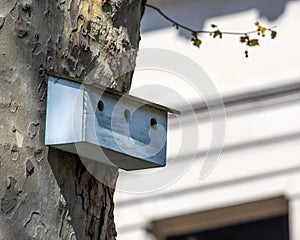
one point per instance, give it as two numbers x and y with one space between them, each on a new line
216 32
252 42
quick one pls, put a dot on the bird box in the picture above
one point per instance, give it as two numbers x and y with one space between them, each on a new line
88 120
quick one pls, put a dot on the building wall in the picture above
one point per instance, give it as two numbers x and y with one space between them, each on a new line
260 158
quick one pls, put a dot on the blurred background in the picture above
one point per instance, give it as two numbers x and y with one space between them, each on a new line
253 192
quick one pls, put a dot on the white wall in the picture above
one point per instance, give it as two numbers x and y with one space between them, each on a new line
223 60
261 157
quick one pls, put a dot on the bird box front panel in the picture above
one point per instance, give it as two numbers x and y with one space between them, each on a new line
126 126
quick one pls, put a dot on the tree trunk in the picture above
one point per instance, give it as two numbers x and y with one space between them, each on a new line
46 193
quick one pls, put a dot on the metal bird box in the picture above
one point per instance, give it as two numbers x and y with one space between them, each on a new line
88 120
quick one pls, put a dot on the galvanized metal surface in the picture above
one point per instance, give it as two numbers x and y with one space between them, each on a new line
81 119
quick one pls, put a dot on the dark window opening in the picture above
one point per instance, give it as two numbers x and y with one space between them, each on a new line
275 228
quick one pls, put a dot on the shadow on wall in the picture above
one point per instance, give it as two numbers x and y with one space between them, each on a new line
194 13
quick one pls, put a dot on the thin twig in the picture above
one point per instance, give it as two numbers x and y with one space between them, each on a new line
198 31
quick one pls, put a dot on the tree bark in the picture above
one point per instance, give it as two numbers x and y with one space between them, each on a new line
46 193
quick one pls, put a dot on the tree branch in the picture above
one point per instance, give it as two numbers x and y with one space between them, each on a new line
244 36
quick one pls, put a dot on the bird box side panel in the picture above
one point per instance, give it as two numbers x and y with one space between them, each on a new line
64 112
109 125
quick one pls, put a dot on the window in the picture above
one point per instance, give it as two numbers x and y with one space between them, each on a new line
264 220
275 228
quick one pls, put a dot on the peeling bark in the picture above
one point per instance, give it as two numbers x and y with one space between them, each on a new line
46 193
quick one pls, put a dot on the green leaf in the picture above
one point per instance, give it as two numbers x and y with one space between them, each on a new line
253 42
262 29
217 33
197 42
244 39
273 34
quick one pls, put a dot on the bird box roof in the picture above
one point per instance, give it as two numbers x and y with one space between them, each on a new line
117 93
